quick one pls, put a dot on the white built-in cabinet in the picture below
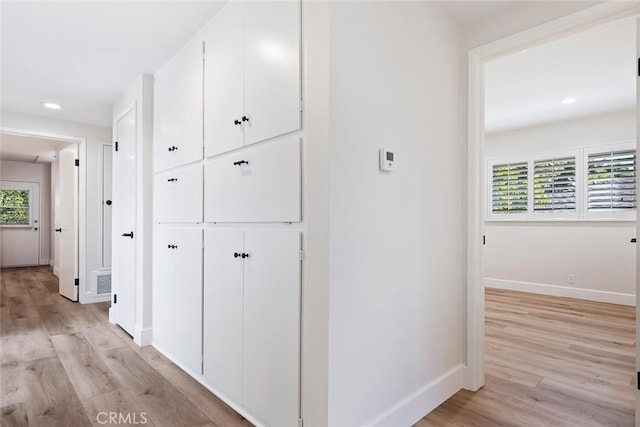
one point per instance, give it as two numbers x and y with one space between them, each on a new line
252 319
227 200
252 74
177 293
178 195
177 103
256 184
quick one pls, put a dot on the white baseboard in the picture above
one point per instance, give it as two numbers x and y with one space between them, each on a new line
52 262
143 336
112 315
563 291
44 261
56 272
415 406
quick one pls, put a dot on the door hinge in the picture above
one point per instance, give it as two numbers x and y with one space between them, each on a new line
638 381
116 146
76 282
300 422
301 105
301 255
484 239
638 67
115 298
77 162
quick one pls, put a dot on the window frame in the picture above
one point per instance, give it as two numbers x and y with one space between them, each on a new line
607 214
556 215
20 186
490 215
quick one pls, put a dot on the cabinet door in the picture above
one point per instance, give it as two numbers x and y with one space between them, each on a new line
187 302
272 69
258 184
223 81
272 326
223 293
163 279
178 195
178 109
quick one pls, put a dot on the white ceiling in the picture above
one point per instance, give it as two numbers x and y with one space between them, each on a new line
82 54
596 67
29 149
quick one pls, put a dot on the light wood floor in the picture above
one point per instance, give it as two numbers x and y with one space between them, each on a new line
62 364
550 362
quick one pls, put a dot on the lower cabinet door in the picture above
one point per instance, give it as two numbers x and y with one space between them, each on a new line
177 294
223 294
271 330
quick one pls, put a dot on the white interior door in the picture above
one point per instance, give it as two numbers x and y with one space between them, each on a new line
125 222
637 228
19 223
67 222
107 161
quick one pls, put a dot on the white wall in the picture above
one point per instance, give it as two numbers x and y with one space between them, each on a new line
91 256
540 256
396 262
40 173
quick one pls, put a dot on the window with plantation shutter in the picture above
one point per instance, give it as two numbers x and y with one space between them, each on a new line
510 188
554 185
611 180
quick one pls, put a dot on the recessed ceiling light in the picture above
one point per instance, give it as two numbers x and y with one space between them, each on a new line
568 101
52 105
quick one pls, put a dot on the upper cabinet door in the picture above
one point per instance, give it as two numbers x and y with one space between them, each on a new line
223 81
178 109
272 69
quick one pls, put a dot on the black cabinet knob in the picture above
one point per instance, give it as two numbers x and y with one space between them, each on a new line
58 230
108 202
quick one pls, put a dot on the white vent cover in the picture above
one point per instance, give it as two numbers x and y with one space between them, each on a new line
101 281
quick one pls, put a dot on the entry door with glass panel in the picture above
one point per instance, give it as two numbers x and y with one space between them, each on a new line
19 224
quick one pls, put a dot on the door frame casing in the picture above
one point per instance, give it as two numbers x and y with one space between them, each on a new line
81 199
571 24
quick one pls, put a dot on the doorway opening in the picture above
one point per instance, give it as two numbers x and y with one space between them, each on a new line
40 172
481 200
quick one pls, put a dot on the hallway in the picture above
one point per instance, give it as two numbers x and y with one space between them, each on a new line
64 364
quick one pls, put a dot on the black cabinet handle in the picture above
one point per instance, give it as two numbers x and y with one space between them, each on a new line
236 254
245 118
245 255
108 202
237 122
241 162
58 230
128 235
633 240
172 180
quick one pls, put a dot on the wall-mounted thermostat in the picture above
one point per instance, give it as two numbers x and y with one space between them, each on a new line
387 160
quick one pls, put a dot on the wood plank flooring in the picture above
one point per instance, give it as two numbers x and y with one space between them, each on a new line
63 364
550 361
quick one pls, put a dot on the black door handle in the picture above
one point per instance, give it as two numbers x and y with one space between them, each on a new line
173 148
58 230
172 246
172 180
633 240
128 235
108 202
245 255
236 254
245 118
241 162
237 122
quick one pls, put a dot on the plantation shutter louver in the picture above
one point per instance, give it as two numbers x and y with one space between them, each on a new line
510 188
554 185
611 180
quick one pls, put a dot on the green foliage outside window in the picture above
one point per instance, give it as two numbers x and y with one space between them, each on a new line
14 207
